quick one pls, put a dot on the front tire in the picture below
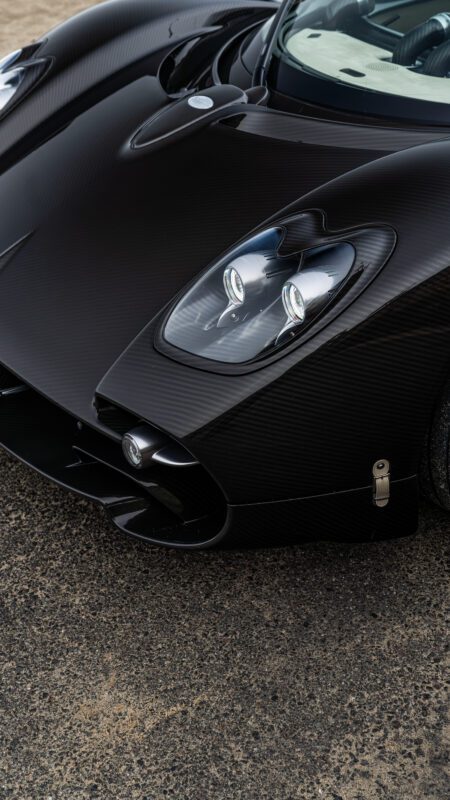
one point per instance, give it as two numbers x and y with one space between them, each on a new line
435 468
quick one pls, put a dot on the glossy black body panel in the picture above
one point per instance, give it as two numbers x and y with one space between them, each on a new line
97 239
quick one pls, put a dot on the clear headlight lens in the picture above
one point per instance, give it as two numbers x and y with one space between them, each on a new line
9 60
9 84
18 72
254 299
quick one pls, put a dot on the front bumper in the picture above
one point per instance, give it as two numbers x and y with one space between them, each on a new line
181 507
173 506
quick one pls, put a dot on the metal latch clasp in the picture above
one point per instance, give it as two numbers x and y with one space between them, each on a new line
381 482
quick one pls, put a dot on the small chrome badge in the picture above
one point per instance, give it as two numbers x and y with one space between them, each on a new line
201 102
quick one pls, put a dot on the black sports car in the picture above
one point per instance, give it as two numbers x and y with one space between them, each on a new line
225 265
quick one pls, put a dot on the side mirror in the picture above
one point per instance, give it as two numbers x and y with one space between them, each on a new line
182 117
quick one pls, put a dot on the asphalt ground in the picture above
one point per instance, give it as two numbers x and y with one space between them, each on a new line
315 672
134 673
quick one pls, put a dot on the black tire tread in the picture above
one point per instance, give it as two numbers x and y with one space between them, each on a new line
435 468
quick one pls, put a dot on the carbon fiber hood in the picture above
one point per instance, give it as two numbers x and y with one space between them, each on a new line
107 241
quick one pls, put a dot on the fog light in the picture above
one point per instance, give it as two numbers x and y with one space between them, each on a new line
140 445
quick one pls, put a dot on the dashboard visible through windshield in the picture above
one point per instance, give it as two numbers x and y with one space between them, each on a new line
367 52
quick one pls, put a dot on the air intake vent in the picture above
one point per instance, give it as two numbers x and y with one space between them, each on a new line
114 418
9 384
6 379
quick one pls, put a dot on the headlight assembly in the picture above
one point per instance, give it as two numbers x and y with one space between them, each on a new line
268 291
10 78
9 84
19 71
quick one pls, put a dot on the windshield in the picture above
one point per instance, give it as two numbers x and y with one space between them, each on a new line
386 58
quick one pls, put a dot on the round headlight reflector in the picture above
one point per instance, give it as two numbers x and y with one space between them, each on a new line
234 286
293 302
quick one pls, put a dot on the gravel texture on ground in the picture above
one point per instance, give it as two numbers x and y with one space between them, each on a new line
133 673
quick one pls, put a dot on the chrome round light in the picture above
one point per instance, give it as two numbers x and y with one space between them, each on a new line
140 445
307 291
234 286
293 302
132 451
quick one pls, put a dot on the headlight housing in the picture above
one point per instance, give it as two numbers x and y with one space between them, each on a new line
9 84
273 288
19 71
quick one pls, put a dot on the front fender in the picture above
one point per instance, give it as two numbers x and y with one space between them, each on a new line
102 49
316 419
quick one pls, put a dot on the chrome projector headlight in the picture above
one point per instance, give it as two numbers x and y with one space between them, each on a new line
254 299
